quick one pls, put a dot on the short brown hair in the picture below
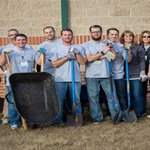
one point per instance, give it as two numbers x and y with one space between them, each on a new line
67 29
48 27
124 33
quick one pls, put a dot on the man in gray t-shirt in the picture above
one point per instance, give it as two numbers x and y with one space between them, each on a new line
97 74
51 41
22 59
61 60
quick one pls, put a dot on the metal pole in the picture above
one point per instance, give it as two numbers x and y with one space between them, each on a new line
64 13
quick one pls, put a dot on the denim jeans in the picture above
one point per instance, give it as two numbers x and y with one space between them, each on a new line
144 86
121 93
12 112
136 96
61 88
93 87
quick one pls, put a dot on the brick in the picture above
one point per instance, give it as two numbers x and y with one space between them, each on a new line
25 14
146 20
85 22
130 20
143 3
3 5
126 3
81 39
0 41
111 21
140 11
38 4
4 14
98 12
107 3
23 23
78 12
119 11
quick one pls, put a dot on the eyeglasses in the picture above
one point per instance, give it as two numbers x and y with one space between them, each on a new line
96 32
145 36
11 34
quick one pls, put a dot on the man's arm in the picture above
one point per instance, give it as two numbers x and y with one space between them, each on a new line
58 63
3 60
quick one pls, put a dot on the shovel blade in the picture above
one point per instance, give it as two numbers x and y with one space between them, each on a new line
130 116
73 120
115 119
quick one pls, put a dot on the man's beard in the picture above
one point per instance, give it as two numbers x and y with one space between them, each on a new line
67 41
96 39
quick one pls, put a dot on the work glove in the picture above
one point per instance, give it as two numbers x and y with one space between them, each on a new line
143 76
74 50
148 75
7 51
109 55
71 55
42 50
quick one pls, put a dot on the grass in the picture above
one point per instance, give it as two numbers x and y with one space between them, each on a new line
105 136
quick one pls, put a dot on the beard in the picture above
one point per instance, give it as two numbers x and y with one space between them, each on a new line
96 38
67 41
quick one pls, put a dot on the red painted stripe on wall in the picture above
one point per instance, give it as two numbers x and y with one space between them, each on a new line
35 40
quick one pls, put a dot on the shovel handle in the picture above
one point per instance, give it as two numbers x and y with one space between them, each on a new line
127 79
10 71
9 65
42 63
73 83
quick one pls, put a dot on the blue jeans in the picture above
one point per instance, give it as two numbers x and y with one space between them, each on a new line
61 88
136 96
121 93
12 112
93 87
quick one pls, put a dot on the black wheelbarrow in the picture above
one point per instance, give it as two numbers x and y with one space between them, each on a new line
35 97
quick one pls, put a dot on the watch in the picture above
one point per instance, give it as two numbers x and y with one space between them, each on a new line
102 53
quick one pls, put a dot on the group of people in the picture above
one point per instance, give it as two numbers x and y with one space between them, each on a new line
104 61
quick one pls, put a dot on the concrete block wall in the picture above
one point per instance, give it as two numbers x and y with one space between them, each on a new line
30 16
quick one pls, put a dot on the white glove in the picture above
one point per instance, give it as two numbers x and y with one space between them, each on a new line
74 50
148 76
71 56
7 51
109 55
143 77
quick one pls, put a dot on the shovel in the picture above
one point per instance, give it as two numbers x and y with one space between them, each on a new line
115 119
128 115
10 71
72 119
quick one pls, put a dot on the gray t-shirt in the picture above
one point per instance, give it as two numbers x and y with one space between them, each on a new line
48 46
64 72
22 61
12 47
98 68
118 63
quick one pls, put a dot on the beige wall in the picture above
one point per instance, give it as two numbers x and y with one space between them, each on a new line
30 16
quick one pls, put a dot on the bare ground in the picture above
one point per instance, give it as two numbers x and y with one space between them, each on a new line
105 136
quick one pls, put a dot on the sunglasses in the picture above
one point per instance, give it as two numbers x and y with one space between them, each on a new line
145 36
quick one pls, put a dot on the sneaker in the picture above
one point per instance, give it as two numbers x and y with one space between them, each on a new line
96 122
5 121
14 127
148 116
